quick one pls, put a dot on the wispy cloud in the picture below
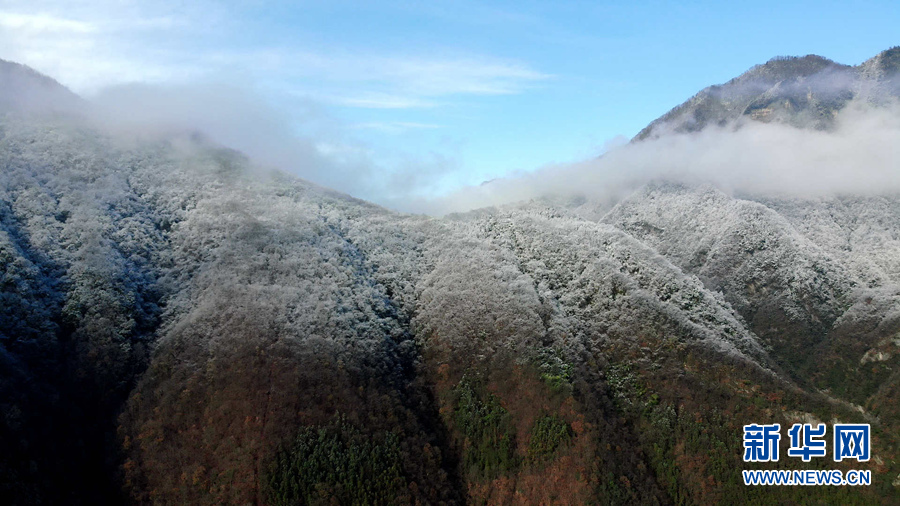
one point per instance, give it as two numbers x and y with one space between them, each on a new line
41 24
375 81
89 46
476 76
370 100
395 127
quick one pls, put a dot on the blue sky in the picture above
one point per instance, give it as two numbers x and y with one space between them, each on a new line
430 96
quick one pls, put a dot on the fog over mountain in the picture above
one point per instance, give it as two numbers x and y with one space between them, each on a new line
180 323
26 91
802 127
304 139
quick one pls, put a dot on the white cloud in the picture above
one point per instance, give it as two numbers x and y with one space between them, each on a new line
89 45
861 155
41 24
376 81
395 127
380 101
476 76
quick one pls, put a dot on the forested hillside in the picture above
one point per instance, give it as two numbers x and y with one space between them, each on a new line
181 326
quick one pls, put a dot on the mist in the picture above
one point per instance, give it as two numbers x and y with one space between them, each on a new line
860 155
292 134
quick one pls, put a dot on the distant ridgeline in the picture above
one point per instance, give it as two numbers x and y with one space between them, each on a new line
803 91
178 326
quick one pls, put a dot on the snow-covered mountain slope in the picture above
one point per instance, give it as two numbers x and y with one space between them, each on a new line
740 248
180 326
814 279
861 231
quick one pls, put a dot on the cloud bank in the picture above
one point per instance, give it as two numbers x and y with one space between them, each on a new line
860 155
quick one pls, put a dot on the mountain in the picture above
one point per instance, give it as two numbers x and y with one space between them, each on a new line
26 90
803 91
181 326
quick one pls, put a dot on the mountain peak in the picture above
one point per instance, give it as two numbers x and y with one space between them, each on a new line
780 68
803 91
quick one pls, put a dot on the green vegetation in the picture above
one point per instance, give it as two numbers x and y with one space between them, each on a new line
489 448
626 388
556 372
337 464
548 434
